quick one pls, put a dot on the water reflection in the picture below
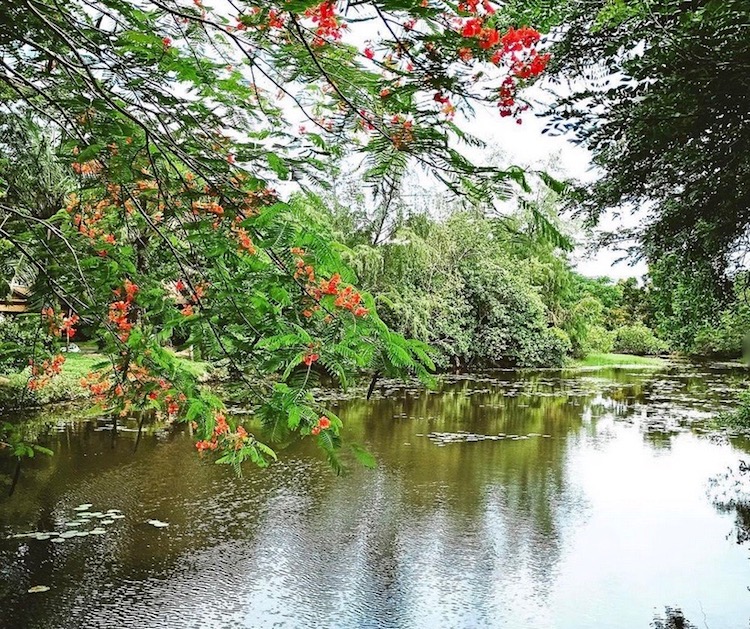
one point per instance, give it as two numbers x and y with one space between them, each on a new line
579 506
672 619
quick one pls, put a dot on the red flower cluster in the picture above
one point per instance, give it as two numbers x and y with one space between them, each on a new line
534 65
472 27
260 20
209 207
186 302
244 241
519 39
42 374
137 384
87 169
323 424
507 98
331 287
488 38
403 132
60 325
88 218
328 23
222 432
516 50
275 19
119 311
310 358
447 107
304 270
473 6
350 300
346 298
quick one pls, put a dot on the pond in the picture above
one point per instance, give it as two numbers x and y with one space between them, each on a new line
505 499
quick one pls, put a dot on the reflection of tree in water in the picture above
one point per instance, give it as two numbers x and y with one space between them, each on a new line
510 500
730 493
742 523
673 619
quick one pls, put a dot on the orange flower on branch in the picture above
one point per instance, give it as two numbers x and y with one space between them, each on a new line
310 358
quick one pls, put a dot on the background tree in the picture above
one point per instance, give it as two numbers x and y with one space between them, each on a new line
659 91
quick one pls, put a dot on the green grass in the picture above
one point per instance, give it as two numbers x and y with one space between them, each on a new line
66 387
618 360
79 365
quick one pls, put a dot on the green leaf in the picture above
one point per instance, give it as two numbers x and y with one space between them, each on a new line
364 457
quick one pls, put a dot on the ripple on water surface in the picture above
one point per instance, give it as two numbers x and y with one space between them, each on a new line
549 500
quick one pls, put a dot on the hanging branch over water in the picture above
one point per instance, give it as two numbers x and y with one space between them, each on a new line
176 124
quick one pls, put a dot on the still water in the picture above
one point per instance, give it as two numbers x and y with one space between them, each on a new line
600 516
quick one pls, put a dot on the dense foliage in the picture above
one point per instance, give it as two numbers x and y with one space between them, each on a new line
662 99
489 290
661 96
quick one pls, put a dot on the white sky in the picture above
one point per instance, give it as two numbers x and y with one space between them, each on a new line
526 145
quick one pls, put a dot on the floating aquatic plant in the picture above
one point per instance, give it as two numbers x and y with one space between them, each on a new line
84 518
158 524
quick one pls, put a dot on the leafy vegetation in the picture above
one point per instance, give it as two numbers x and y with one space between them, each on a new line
156 193
487 290
661 99
143 148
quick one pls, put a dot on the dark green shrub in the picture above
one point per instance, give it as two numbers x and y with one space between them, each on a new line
639 340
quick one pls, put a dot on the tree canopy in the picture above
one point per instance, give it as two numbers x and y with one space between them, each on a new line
659 91
177 130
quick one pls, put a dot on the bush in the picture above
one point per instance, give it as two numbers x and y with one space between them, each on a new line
64 387
598 340
738 418
554 347
639 340
562 340
17 336
727 339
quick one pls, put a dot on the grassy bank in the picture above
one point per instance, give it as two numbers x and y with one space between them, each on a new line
66 387
617 360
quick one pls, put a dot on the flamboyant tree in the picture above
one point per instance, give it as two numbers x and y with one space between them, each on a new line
182 125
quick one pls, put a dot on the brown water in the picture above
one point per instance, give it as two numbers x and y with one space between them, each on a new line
600 518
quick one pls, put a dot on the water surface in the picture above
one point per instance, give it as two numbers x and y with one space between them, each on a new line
536 499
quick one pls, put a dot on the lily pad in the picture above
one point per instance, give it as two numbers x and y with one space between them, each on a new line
38 588
158 524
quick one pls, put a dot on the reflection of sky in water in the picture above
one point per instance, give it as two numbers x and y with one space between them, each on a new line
601 524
